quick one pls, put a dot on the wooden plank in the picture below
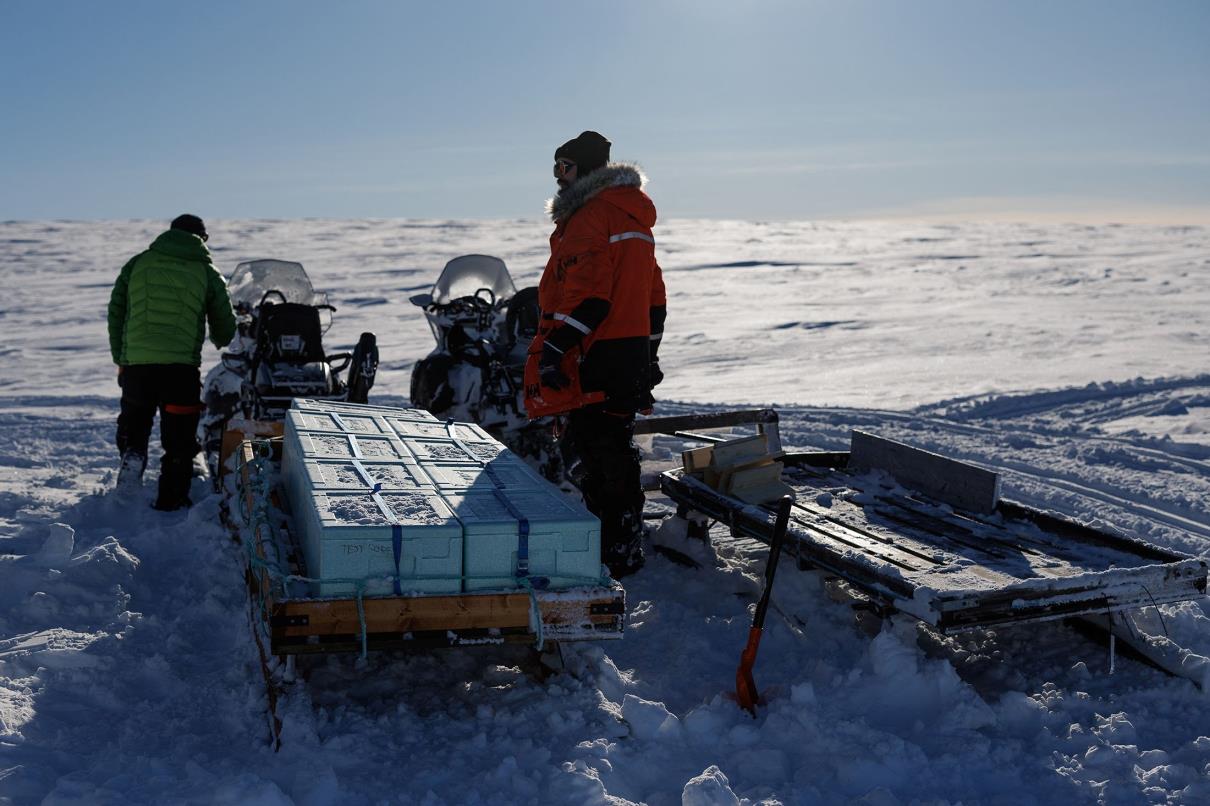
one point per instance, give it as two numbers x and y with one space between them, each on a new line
760 484
467 611
742 451
957 483
401 614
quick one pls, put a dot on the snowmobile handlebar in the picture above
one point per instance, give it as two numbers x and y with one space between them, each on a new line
271 292
343 358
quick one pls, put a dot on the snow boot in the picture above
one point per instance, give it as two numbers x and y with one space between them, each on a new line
623 553
624 559
175 477
171 504
130 473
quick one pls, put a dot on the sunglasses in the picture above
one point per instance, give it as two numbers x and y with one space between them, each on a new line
563 166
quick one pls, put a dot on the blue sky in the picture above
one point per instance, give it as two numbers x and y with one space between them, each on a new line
741 109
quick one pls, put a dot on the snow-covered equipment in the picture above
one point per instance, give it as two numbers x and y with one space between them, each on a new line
903 530
483 327
522 575
278 353
370 515
745 685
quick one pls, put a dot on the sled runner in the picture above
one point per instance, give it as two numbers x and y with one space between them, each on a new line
912 532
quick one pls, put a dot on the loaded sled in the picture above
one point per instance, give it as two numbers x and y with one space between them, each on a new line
315 573
901 530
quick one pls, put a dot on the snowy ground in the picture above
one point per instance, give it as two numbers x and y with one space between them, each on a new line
1073 358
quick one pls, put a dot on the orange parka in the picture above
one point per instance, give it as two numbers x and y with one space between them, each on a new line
602 295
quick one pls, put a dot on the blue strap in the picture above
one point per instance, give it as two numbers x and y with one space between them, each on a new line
522 522
522 528
339 422
353 446
397 546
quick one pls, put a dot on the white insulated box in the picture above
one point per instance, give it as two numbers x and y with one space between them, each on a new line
363 474
506 472
369 483
340 406
448 451
320 445
351 536
339 422
563 545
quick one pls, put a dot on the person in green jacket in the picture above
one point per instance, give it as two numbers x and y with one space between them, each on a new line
157 315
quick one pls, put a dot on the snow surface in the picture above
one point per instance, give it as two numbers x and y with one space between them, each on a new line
1071 357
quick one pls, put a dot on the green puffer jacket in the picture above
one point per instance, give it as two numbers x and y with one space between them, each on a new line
161 300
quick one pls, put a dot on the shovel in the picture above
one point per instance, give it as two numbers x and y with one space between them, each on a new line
745 686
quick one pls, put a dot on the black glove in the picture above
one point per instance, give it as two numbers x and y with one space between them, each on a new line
551 375
657 376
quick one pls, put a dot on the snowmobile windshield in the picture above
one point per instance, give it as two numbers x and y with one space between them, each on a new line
253 278
465 276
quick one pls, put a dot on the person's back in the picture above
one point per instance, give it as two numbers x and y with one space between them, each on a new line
158 312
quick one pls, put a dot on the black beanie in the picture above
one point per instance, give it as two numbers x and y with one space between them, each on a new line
589 151
190 223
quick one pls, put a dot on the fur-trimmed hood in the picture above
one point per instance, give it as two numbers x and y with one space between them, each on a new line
613 175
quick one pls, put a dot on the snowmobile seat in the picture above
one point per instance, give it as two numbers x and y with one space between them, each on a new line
523 317
290 332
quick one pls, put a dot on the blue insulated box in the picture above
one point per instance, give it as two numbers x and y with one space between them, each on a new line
563 544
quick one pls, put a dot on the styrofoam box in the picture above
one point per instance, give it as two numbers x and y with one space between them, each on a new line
343 474
417 428
467 432
564 539
347 536
363 408
470 432
306 419
321 445
505 472
448 451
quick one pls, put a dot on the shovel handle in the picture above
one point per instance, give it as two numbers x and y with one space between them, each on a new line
779 537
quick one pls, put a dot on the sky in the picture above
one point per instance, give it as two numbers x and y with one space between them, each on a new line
1076 110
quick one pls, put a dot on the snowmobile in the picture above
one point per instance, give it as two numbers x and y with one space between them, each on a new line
483 326
277 354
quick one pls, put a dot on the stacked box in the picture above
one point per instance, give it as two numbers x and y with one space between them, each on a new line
339 406
453 452
370 485
349 536
333 459
506 472
563 544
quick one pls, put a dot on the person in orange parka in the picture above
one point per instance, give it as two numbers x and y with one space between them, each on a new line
595 358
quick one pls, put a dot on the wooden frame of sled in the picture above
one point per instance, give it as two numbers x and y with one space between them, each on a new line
291 625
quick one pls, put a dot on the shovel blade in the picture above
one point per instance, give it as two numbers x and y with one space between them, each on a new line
745 685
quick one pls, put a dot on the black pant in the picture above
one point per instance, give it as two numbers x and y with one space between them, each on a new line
599 451
174 389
